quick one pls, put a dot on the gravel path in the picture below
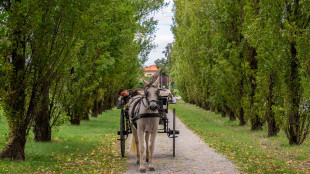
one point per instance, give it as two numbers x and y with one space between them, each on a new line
192 155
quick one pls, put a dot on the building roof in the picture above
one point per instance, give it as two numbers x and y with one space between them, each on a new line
151 68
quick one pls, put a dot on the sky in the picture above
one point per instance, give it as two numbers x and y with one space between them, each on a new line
163 33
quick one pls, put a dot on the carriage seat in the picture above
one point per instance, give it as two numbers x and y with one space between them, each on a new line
163 104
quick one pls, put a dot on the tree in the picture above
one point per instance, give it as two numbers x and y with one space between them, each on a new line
246 59
19 22
64 55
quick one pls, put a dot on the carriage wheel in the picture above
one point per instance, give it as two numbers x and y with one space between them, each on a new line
122 131
173 132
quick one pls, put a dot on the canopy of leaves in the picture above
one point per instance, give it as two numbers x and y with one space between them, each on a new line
246 58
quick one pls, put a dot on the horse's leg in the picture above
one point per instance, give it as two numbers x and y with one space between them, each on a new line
135 136
147 136
152 147
141 149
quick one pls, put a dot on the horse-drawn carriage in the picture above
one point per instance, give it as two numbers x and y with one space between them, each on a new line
127 120
125 128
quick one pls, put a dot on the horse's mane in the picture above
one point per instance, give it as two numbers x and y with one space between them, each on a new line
148 85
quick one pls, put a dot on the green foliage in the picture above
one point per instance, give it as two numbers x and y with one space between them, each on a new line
245 58
61 57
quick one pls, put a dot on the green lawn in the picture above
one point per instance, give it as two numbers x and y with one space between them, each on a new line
251 151
89 148
92 147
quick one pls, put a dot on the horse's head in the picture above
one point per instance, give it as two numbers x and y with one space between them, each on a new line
151 93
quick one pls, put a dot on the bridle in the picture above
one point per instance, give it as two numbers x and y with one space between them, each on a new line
140 100
146 94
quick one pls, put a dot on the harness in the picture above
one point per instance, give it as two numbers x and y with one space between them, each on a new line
146 115
134 105
137 104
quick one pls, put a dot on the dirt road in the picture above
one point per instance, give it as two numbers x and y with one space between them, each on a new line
192 155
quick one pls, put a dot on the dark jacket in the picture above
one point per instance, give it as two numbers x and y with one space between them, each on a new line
132 93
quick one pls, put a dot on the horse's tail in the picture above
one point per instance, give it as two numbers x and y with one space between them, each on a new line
133 146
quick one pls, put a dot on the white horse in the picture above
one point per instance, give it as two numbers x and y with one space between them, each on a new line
143 111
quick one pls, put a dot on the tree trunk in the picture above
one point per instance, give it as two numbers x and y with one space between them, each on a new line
207 106
293 131
223 113
232 116
86 116
100 106
242 121
42 128
212 109
199 104
75 121
94 112
240 110
15 102
273 127
105 104
256 123
14 149
111 101
218 110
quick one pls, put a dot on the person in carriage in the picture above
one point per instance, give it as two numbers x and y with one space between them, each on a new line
125 96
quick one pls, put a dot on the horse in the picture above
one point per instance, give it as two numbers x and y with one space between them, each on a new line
144 114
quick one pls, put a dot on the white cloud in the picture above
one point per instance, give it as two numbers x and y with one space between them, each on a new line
163 34
162 39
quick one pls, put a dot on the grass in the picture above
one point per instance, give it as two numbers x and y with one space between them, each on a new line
91 147
251 151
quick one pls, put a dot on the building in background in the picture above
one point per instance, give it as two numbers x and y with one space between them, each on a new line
150 71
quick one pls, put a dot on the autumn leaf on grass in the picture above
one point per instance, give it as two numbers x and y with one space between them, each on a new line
159 160
195 167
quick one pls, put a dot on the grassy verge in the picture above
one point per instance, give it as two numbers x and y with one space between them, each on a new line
1 114
89 148
251 151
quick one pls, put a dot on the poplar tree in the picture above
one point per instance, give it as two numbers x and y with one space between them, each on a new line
246 59
61 55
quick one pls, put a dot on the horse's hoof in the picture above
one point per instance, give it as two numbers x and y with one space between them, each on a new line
152 169
138 162
147 160
142 170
